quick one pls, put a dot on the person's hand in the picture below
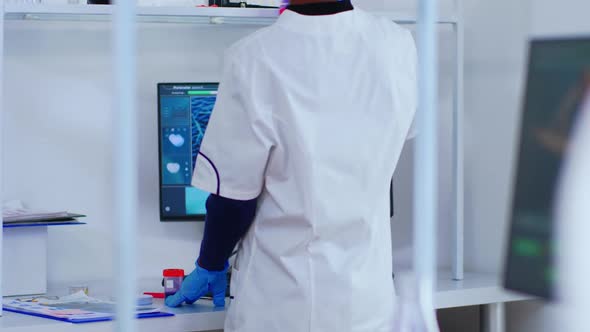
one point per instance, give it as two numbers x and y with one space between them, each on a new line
197 284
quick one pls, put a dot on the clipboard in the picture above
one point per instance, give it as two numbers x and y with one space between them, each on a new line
74 312
86 320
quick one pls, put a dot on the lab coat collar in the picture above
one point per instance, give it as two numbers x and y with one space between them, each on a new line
316 24
322 8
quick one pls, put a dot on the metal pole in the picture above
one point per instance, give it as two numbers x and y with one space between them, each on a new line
1 132
125 162
493 317
426 161
458 147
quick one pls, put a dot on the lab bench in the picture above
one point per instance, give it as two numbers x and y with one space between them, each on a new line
476 289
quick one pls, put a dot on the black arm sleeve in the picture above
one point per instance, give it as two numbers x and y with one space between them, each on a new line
227 221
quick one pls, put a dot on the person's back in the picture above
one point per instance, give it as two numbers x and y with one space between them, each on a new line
334 98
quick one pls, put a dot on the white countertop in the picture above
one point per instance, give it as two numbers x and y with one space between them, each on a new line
476 289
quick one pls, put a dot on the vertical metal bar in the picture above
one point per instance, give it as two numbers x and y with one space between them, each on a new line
458 147
494 317
1 134
426 160
125 162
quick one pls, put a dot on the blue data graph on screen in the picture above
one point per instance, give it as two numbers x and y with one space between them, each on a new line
201 108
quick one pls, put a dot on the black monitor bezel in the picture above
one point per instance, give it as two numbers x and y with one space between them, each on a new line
163 218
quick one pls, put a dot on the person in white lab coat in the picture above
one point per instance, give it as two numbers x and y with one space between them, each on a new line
311 118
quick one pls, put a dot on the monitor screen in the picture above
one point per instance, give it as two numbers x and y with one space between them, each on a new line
183 110
558 76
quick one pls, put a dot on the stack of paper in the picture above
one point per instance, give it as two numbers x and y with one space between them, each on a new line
16 212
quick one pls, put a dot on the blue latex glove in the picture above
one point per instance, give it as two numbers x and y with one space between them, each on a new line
197 284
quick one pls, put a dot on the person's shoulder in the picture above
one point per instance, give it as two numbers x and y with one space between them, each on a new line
384 28
251 42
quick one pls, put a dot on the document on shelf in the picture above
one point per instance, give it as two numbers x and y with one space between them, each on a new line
15 211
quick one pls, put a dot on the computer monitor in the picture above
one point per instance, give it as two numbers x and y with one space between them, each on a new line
183 113
558 76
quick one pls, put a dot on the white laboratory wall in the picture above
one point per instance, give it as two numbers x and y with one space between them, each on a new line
568 17
444 5
58 129
403 179
58 138
402 223
496 44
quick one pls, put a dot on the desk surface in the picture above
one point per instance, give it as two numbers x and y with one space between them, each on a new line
476 289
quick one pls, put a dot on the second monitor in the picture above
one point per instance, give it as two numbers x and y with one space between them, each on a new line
558 78
183 113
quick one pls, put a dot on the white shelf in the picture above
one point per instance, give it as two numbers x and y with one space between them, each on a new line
174 14
409 17
145 14
476 289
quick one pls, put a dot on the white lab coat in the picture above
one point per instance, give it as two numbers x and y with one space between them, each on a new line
311 117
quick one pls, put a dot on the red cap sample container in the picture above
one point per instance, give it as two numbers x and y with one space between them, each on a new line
172 281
